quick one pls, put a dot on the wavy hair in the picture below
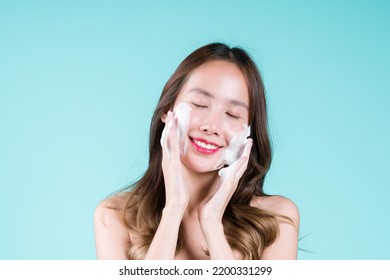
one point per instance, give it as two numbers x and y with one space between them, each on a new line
247 229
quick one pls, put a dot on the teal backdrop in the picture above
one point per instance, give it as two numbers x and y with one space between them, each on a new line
79 81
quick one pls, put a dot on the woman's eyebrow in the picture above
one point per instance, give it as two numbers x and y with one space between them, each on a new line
202 91
239 103
208 94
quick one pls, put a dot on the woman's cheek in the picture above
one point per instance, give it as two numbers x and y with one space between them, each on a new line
233 129
195 118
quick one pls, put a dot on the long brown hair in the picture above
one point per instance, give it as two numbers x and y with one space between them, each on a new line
248 229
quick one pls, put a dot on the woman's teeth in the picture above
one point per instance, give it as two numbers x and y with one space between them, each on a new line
204 145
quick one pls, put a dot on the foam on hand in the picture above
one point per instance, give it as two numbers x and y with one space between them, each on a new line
235 148
181 113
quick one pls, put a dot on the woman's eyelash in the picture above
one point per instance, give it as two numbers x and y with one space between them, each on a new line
205 106
199 105
232 116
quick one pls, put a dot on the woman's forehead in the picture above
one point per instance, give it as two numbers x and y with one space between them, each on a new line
218 79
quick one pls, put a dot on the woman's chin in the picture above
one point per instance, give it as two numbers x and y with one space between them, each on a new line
201 166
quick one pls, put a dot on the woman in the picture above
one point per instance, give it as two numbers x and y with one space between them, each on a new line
193 202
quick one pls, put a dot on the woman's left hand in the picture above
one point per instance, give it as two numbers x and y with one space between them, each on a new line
212 211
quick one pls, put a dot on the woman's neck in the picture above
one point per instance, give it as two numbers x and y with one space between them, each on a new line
201 186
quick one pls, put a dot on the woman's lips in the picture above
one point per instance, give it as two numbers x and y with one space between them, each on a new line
204 146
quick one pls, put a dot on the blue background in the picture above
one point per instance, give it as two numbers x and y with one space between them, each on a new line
79 81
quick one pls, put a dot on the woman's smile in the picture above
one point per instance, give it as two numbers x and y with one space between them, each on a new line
204 146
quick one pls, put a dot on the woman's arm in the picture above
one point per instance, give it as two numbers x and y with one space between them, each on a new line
164 242
218 246
111 237
211 213
163 246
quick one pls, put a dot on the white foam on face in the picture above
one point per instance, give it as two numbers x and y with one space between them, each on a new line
235 148
232 152
181 113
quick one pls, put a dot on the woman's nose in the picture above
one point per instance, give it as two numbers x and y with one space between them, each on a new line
211 124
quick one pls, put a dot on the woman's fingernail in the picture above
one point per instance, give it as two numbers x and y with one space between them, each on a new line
244 158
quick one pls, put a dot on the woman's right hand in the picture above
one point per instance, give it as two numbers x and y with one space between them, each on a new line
176 192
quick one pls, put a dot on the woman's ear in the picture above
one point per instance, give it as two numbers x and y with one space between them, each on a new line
164 117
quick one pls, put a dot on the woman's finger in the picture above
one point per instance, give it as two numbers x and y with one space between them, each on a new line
234 170
164 141
244 159
174 138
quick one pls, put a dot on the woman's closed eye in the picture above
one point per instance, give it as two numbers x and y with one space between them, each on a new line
197 105
232 115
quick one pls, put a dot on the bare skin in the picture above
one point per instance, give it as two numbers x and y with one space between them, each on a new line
113 239
196 196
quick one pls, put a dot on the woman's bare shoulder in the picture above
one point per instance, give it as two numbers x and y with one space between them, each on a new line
112 201
106 211
279 205
111 236
286 244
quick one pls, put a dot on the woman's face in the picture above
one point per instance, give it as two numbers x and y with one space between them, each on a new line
218 95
